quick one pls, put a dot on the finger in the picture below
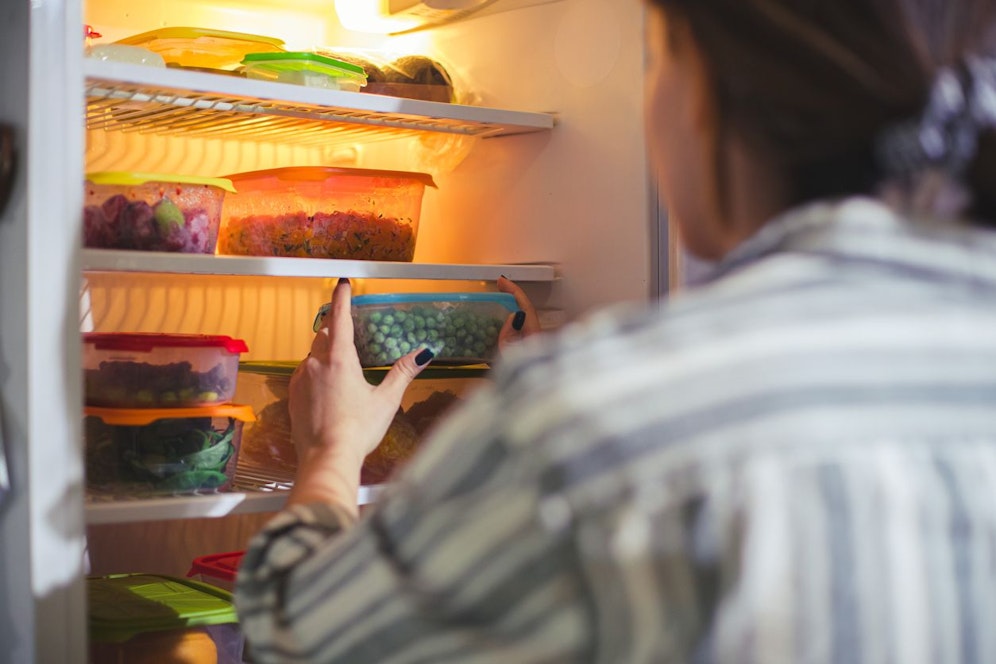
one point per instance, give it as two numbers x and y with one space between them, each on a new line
403 373
340 319
507 333
506 285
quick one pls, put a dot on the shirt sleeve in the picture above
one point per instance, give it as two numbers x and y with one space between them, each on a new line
453 564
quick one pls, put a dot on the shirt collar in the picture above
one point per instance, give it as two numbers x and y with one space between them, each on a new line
866 230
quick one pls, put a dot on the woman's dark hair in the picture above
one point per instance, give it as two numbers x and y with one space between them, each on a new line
813 83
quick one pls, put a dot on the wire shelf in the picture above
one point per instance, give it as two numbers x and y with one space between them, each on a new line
139 99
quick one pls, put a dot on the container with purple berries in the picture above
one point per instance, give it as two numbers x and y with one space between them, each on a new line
140 370
153 211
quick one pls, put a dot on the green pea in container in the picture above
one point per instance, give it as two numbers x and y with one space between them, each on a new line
460 328
149 618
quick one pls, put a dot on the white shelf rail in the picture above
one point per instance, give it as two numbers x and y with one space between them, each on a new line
169 101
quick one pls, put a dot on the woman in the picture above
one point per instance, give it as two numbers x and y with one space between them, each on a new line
793 463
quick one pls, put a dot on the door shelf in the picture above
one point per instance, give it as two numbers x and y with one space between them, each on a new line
117 260
246 500
168 101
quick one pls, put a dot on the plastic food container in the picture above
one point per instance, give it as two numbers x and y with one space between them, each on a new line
153 211
203 47
460 328
124 370
151 451
268 455
133 55
151 619
217 569
324 212
308 69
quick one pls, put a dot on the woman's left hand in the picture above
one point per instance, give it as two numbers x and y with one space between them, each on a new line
337 417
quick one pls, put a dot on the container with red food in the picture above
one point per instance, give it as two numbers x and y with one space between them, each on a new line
141 370
153 211
324 212
138 452
217 569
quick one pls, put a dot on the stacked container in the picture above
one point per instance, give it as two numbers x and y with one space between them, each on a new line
159 417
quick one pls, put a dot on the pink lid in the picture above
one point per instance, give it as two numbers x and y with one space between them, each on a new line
219 565
147 342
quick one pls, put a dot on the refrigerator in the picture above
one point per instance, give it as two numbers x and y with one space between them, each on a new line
541 175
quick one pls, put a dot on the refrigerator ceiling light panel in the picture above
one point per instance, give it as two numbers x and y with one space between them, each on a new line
395 16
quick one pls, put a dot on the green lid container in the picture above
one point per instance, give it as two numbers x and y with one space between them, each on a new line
123 606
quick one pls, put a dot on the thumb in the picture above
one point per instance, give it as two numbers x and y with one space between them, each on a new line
404 371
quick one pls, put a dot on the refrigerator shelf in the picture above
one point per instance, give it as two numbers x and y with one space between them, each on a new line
117 260
135 98
252 496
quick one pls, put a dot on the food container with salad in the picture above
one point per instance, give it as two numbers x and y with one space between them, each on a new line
153 211
203 48
147 618
142 370
324 212
309 69
162 451
459 328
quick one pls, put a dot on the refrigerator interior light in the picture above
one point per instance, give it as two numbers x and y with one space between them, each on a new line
396 16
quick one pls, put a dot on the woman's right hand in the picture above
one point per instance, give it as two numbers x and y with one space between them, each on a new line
522 323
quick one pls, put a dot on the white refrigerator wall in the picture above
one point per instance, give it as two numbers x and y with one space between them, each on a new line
577 196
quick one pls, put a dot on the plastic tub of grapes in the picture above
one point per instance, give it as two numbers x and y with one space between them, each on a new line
153 211
143 370
459 328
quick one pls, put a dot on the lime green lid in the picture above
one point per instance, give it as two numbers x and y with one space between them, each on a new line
122 606
299 61
137 178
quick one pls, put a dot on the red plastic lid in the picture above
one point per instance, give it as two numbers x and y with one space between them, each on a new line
147 342
222 566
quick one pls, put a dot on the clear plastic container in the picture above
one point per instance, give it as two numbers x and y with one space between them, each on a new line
135 370
153 211
203 47
460 328
153 619
159 452
217 569
315 71
324 212
133 55
268 453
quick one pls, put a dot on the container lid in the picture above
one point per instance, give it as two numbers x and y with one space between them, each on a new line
301 61
197 33
144 416
504 299
219 565
136 178
122 606
320 173
146 342
374 375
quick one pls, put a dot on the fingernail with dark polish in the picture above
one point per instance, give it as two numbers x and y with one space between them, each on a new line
343 280
518 320
424 357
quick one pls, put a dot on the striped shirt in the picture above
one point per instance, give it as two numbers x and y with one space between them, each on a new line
795 462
